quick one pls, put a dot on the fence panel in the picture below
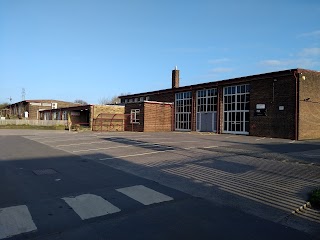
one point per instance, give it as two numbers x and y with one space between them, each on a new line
33 122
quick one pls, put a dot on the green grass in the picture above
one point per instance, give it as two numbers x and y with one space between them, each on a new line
314 198
58 127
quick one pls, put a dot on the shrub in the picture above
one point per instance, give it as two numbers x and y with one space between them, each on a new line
314 198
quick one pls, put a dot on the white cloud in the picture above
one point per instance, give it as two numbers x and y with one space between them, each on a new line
305 58
310 52
311 34
219 60
221 70
190 50
290 63
273 63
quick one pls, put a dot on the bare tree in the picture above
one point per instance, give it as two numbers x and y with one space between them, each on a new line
82 102
3 105
112 100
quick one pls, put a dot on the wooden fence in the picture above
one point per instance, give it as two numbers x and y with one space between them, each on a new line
33 122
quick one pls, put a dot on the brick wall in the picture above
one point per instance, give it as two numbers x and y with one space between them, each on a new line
162 97
309 105
220 110
101 115
158 117
273 92
136 127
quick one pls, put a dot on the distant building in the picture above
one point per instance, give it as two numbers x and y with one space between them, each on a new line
31 108
283 104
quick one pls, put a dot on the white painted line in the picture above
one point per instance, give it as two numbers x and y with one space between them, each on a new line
104 141
138 154
144 195
211 147
76 144
189 148
129 145
90 206
68 139
15 220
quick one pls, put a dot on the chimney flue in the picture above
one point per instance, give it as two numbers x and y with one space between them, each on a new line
175 78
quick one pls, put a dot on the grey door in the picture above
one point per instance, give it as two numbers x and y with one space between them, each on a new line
207 122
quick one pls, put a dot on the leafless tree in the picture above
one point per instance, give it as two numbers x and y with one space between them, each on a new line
112 100
82 102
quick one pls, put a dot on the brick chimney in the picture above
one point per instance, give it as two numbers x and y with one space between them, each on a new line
175 78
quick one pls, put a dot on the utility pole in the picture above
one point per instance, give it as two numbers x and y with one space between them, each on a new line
23 94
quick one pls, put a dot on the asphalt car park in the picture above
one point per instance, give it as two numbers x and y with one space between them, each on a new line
261 177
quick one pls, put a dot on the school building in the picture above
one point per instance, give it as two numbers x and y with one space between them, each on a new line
283 104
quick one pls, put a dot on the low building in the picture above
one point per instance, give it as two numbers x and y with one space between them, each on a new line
96 117
283 104
148 116
30 108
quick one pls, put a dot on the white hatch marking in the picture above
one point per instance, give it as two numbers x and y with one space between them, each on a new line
144 195
90 206
15 220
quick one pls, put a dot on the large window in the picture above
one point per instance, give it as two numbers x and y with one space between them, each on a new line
207 100
135 116
236 103
207 110
183 105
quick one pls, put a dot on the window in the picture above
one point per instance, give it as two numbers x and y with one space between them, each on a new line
134 115
207 100
183 106
236 102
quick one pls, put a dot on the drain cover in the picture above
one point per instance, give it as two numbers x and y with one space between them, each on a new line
47 171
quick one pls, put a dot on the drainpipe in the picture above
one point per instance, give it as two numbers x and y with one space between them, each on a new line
297 104
218 110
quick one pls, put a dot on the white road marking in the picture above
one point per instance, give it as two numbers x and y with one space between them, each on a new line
130 145
144 195
15 220
211 147
138 154
90 206
189 148
103 141
76 144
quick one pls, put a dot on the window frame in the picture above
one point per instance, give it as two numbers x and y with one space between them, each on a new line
134 116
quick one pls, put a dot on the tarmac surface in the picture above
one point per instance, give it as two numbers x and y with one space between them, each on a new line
91 185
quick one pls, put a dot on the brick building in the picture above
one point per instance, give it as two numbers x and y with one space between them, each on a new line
148 116
30 108
283 104
97 117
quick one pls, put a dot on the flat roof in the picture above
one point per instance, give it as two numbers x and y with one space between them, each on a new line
222 82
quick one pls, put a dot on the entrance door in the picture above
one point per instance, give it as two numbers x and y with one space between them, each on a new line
207 122
207 110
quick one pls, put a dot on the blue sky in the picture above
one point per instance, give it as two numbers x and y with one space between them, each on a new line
95 49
